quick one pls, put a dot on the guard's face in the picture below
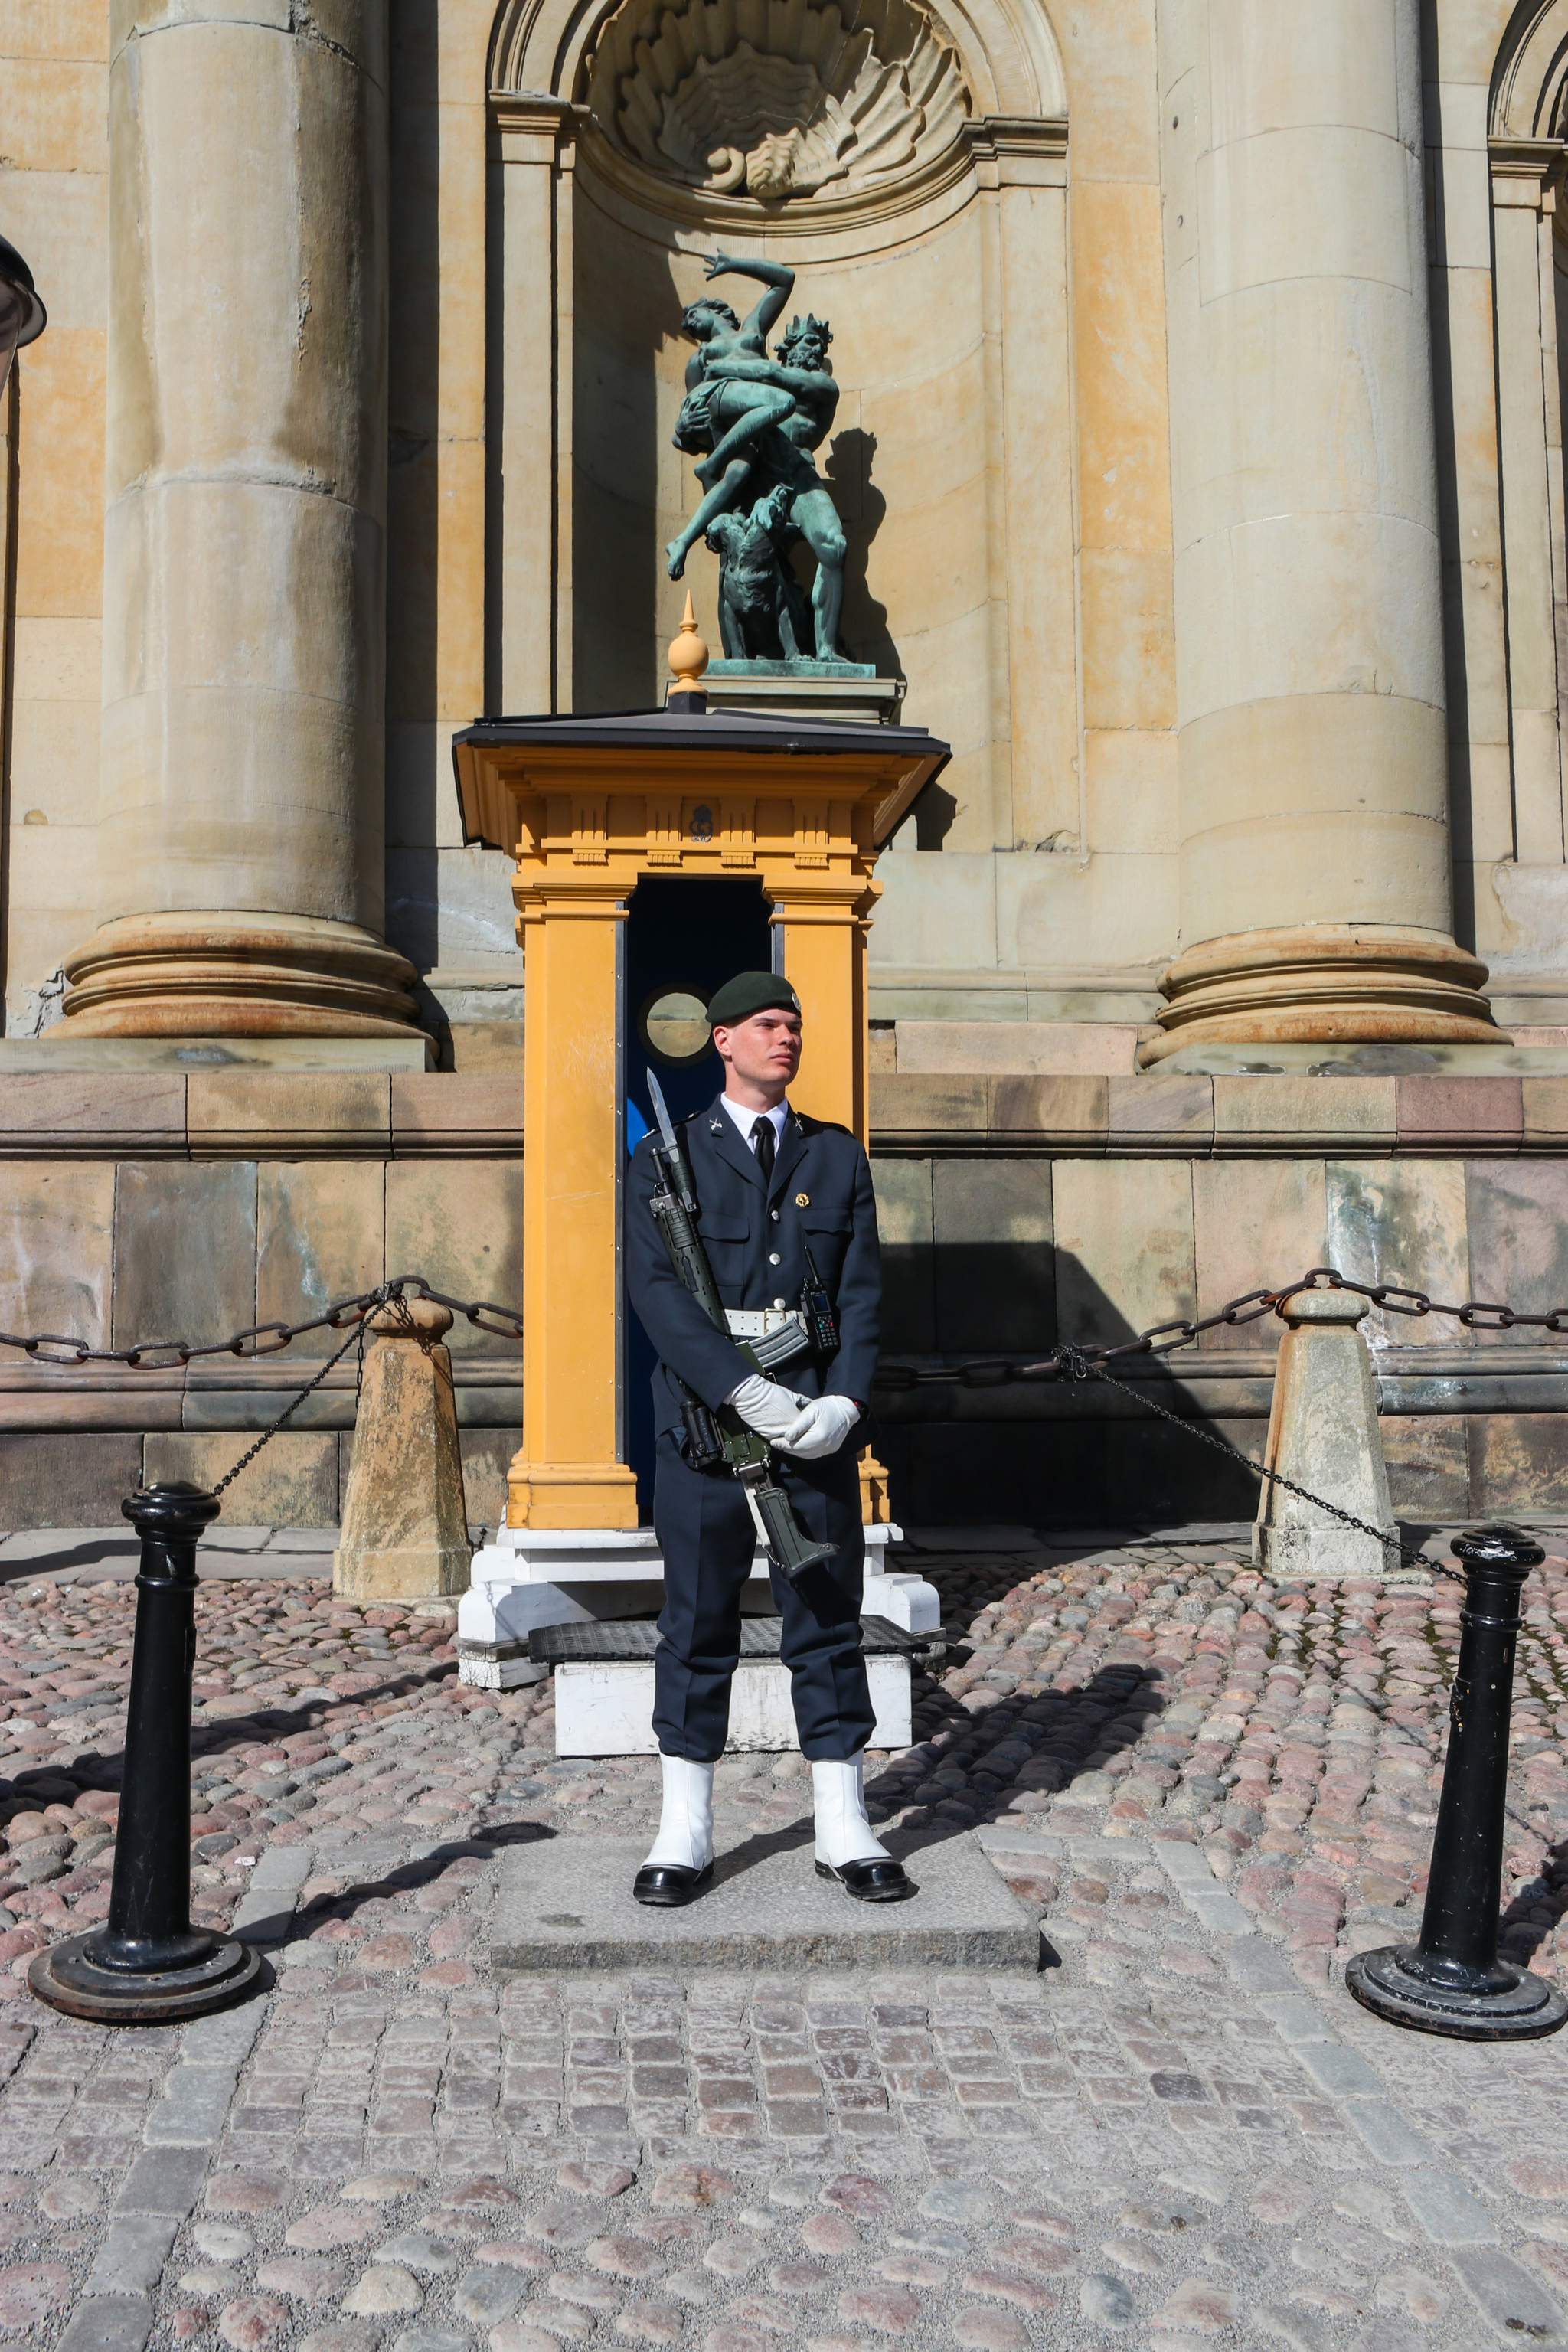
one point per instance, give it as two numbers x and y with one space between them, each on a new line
765 1050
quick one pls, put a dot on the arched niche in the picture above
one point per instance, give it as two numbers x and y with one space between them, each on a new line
1528 169
1531 73
945 282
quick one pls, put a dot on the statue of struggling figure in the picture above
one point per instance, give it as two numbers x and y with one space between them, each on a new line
756 421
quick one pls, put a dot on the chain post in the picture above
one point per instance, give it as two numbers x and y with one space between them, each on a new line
1451 1981
148 1966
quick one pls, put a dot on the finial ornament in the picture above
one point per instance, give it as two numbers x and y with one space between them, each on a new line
687 658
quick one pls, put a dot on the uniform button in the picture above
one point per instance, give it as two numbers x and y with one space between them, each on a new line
773 1257
778 1302
774 1215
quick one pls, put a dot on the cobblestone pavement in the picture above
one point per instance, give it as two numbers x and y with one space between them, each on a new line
1181 2133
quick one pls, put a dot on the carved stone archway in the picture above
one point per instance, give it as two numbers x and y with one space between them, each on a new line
989 151
1528 168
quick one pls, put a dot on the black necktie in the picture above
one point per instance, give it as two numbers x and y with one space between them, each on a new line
762 1137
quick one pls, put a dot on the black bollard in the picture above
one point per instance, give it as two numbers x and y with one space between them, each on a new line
1452 1980
148 1966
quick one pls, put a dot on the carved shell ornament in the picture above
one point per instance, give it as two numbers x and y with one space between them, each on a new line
777 98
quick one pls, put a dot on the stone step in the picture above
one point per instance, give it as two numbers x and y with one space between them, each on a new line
632 1638
566 1904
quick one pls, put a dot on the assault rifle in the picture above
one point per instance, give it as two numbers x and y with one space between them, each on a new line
722 1437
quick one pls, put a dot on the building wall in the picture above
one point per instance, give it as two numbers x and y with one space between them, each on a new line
1015 1212
1038 880
54 181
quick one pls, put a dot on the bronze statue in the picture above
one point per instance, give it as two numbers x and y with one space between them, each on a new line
757 421
761 613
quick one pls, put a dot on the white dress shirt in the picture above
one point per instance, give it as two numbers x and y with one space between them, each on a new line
746 1119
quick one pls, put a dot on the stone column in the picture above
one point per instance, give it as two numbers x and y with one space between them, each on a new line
240 829
533 144
1315 890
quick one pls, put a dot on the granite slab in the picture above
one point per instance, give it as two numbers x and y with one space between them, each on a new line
566 1904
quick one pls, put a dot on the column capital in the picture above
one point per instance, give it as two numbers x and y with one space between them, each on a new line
1020 150
1527 172
529 127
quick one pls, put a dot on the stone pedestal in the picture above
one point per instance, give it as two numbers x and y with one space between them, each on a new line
1316 889
1323 1434
404 1533
240 841
809 691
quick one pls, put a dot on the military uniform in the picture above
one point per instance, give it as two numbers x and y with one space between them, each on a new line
756 1234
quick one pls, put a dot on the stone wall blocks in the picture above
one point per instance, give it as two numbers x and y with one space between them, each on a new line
1460 1115
319 1236
1148 1117
1517 1215
1124 1246
72 1478
1545 1115
444 1114
96 1115
293 1482
57 1234
1273 1114
185 1251
460 1224
906 1111
1256 1224
1406 1221
294 1115
1073 1113
103 1397
994 1264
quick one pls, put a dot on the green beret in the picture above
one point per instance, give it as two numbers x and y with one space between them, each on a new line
749 992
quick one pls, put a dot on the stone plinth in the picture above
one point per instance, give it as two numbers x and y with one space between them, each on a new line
804 690
566 1904
404 1531
605 1707
1323 1434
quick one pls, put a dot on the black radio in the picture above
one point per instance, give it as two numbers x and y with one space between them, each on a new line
821 1317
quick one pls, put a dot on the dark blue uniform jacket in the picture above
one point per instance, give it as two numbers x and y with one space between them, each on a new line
820 1198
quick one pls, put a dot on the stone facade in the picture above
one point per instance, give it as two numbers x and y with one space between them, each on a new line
1199 452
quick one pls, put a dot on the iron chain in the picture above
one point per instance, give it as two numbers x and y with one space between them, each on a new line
1067 1359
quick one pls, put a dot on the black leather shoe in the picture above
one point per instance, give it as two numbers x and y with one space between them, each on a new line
882 1881
668 1884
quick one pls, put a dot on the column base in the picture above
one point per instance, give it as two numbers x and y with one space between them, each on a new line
570 1495
236 975
1325 983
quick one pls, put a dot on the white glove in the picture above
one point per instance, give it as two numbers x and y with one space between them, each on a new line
821 1428
766 1406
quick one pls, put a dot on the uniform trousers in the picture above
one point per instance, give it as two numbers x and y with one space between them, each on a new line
707 1536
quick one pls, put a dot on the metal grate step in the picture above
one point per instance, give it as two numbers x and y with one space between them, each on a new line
622 1640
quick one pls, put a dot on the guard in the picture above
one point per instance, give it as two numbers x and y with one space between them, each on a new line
785 1206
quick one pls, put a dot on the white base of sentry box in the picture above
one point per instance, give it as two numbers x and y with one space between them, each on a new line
607 1710
562 1576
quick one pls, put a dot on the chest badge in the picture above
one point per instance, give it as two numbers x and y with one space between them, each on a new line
803 1199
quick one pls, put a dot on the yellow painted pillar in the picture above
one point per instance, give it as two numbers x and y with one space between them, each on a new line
825 960
567 1473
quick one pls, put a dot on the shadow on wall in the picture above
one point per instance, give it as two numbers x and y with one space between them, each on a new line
862 509
413 756
963 1456
626 336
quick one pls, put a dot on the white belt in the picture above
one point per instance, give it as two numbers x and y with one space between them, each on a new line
776 1336
761 1322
